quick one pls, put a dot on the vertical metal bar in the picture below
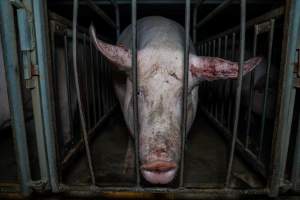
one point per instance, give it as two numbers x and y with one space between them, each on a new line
205 49
99 84
185 87
296 164
86 68
82 120
271 34
209 48
135 90
214 48
14 88
41 33
225 46
285 100
219 46
230 83
67 78
252 77
93 82
239 89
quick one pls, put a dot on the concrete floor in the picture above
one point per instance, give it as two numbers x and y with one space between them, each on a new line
206 159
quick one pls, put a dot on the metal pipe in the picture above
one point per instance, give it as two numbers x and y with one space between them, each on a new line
239 90
185 87
252 78
262 130
82 120
101 13
276 13
14 89
95 190
135 90
214 13
230 83
287 96
43 54
93 83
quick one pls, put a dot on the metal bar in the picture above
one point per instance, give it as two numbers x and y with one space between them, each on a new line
67 77
185 88
101 13
239 90
247 156
160 2
214 13
267 16
262 130
25 27
93 82
88 191
296 159
287 96
135 90
99 83
43 54
252 77
82 120
230 83
14 89
85 57
73 152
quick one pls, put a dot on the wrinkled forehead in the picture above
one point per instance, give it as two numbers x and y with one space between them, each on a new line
162 84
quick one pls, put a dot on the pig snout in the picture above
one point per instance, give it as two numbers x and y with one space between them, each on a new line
159 172
159 159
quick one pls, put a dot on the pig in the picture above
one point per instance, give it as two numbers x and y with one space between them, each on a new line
160 63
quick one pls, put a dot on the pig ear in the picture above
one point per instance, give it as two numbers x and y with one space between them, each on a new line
212 68
118 55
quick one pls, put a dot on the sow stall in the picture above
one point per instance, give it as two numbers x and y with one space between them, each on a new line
64 132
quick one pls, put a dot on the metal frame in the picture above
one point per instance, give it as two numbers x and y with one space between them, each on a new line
47 154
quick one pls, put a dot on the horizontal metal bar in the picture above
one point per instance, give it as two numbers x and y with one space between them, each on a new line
214 13
159 2
95 190
267 16
101 13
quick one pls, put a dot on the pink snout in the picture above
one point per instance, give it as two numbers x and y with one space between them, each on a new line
159 172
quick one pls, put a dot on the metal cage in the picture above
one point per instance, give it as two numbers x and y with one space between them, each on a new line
70 102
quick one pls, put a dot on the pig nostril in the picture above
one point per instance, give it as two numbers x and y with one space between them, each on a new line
159 166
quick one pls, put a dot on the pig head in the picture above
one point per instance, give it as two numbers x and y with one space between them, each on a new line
160 58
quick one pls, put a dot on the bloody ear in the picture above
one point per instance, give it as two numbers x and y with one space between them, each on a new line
119 56
212 68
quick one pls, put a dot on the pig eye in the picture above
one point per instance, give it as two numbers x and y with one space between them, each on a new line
140 93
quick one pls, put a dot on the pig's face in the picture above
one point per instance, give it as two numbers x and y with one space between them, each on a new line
160 73
159 99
